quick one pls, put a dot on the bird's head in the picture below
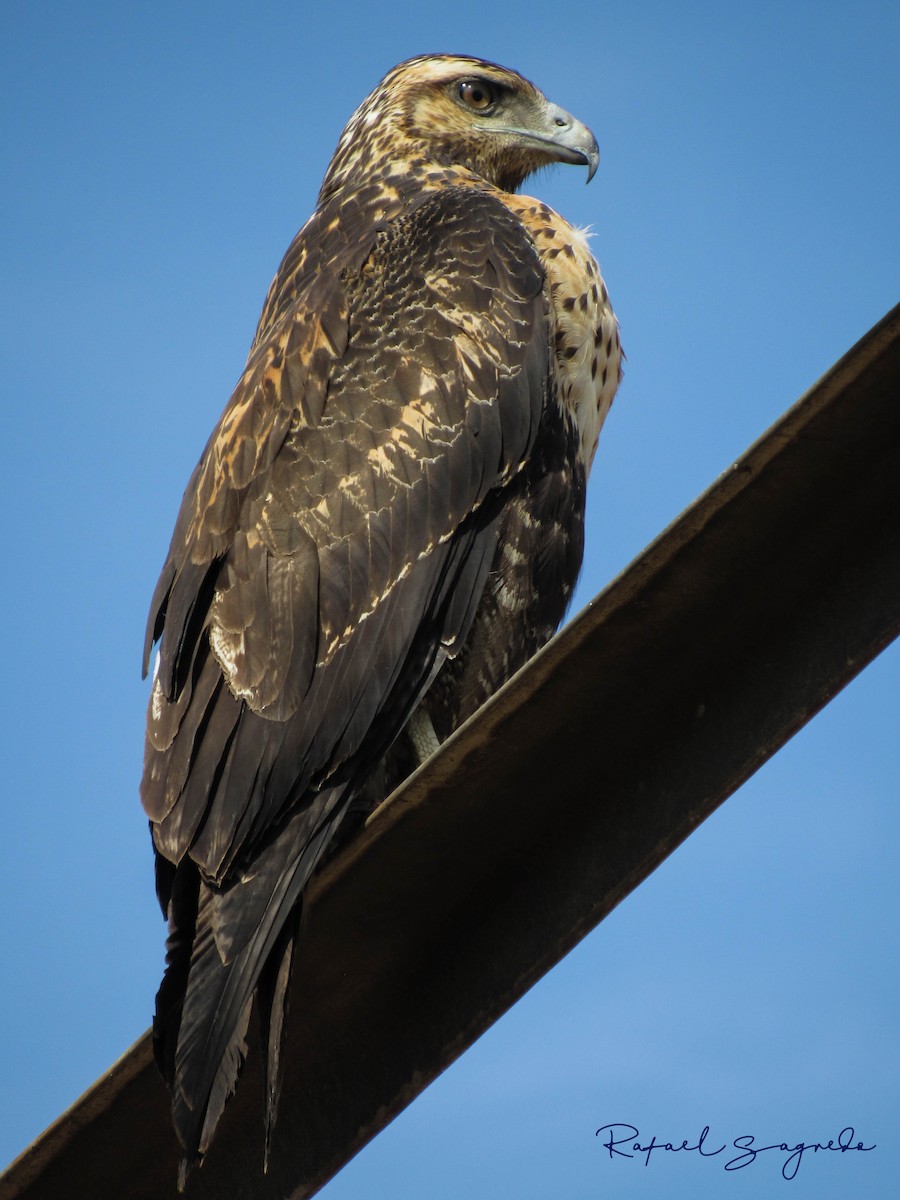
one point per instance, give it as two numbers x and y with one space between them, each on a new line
451 110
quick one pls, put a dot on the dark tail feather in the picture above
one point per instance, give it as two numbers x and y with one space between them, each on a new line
272 993
178 893
243 942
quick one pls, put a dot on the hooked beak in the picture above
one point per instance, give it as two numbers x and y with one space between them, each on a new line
562 138
574 142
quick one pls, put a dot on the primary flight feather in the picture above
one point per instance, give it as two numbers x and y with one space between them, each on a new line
387 521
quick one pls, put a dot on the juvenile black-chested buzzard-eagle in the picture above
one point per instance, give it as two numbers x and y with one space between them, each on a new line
386 523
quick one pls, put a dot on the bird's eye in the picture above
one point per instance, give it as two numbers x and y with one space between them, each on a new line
477 95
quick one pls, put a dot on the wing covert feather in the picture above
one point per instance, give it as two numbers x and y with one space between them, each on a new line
346 537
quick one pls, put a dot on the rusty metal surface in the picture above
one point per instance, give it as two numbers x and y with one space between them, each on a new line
692 668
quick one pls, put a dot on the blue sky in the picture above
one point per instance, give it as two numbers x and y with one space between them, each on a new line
157 161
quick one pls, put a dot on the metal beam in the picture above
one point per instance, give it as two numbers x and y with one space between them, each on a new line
536 818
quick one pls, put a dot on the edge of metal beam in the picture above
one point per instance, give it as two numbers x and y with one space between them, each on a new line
737 624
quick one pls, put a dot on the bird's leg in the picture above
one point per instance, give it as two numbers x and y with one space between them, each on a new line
421 734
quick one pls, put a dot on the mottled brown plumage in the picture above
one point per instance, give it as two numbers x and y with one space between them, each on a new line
386 522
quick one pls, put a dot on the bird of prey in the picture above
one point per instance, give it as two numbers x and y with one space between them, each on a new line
386 522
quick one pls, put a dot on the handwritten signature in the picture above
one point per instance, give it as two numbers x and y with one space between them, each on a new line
621 1135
